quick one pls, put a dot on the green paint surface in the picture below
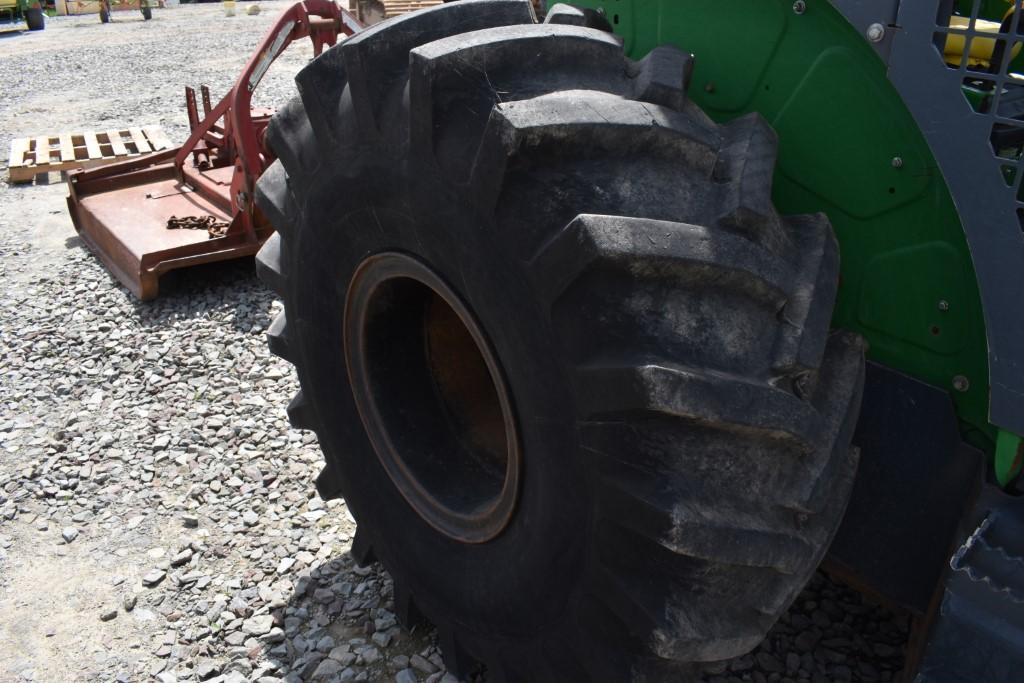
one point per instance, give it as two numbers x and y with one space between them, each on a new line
1009 456
847 147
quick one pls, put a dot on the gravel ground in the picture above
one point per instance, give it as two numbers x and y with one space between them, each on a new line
157 514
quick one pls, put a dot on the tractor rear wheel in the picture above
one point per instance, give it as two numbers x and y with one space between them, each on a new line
35 20
570 370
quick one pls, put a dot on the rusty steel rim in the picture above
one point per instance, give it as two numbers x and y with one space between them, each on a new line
432 397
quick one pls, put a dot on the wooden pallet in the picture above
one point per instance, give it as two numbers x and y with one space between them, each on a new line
48 153
396 7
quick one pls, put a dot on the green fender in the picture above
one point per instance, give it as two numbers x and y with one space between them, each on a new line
848 147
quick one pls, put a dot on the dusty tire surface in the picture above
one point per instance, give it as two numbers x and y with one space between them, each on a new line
680 413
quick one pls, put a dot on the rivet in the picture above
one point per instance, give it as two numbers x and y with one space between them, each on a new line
960 383
943 305
897 162
875 33
799 7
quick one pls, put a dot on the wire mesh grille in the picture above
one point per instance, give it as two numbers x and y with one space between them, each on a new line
985 51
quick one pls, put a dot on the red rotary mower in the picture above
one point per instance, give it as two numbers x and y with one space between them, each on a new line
127 212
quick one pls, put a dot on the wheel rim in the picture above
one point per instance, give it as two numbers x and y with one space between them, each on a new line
432 397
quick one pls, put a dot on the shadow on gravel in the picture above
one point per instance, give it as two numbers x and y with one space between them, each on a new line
830 634
339 624
201 279
206 289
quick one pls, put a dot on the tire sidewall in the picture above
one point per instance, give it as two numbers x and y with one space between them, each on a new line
520 581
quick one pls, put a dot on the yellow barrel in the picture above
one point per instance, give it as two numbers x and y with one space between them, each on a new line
981 48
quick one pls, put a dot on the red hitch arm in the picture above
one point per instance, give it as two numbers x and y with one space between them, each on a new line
319 20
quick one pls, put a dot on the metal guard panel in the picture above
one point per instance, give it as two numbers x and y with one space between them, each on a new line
985 188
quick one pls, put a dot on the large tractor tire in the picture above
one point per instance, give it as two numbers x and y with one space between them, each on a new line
570 370
35 20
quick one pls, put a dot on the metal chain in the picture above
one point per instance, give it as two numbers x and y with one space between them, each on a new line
211 225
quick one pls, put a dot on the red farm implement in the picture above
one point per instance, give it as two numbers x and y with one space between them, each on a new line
126 212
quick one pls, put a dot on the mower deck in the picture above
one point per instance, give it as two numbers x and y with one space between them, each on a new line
193 204
123 219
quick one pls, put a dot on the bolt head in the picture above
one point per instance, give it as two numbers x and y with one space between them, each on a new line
943 305
799 7
875 33
960 383
897 162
